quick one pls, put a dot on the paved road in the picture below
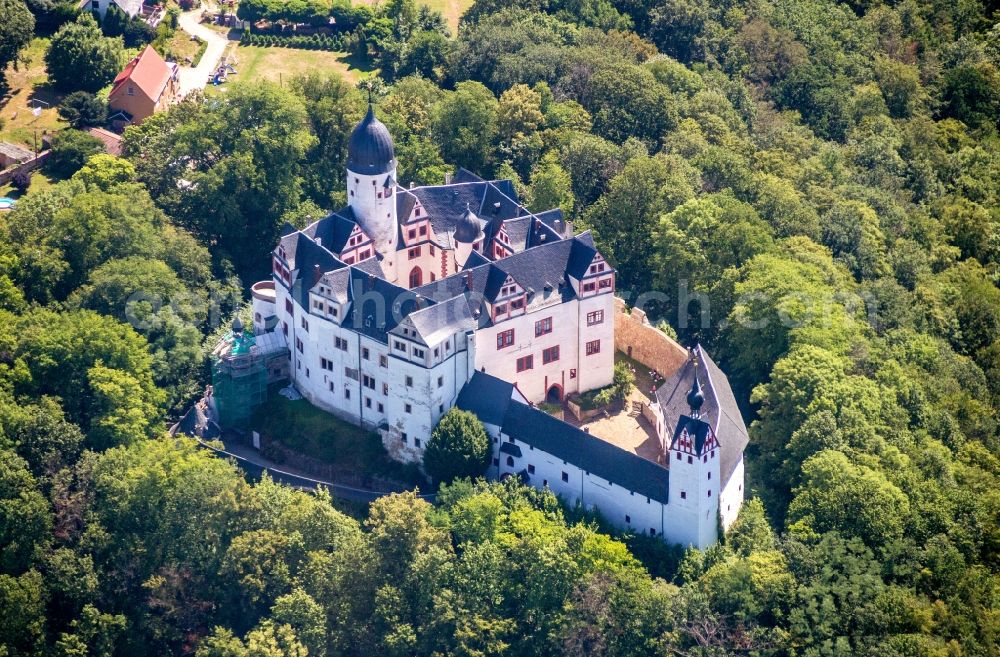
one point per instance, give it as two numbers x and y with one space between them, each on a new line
197 78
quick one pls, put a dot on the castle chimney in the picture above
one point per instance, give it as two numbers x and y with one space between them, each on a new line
317 274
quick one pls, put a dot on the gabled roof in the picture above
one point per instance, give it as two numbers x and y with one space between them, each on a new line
593 455
15 152
333 230
580 258
445 205
475 259
147 72
697 431
436 322
369 295
112 142
540 270
720 409
130 7
464 175
488 397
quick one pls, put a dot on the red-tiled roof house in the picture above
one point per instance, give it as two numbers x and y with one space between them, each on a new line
145 86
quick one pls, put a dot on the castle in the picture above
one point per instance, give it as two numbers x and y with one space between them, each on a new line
410 301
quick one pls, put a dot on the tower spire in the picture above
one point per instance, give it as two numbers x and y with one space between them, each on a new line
696 397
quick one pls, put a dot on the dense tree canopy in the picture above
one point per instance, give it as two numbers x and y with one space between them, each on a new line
16 26
81 58
811 188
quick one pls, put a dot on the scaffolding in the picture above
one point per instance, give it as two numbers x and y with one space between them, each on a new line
242 366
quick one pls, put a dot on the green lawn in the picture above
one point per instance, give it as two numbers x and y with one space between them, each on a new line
28 83
40 181
282 64
451 9
306 429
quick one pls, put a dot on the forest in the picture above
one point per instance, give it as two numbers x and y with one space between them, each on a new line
808 188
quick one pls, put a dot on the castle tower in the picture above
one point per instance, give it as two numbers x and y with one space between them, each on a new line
694 454
468 231
371 183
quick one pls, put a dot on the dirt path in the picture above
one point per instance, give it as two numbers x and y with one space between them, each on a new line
197 77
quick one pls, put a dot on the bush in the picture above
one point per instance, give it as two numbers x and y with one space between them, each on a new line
621 386
82 109
459 447
70 151
21 180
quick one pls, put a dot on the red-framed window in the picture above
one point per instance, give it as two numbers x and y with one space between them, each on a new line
543 326
525 363
593 347
414 252
550 355
595 317
505 338
589 287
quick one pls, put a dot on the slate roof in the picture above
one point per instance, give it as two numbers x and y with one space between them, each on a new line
476 259
370 150
697 429
469 228
508 447
540 270
436 322
486 396
445 205
597 457
720 409
464 175
333 230
369 295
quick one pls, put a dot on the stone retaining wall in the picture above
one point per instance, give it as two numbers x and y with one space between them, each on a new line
29 165
637 338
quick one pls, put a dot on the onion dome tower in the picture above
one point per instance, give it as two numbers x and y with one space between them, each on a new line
468 231
371 183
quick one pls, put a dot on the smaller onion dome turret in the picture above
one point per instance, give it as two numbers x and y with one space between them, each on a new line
469 228
370 150
696 397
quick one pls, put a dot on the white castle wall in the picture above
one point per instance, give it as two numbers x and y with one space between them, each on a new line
732 496
570 332
621 507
